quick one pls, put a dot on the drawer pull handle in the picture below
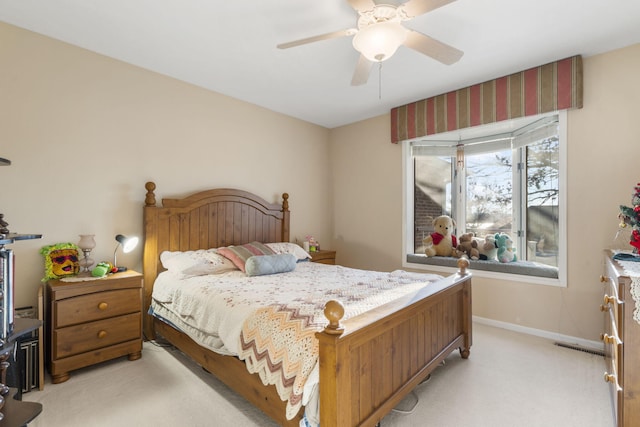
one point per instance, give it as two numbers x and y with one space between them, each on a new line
609 378
102 334
605 307
604 279
103 306
611 300
608 339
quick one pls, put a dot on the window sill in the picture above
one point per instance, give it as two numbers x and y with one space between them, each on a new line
521 271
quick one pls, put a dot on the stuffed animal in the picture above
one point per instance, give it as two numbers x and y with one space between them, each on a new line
506 251
467 246
487 248
441 242
103 268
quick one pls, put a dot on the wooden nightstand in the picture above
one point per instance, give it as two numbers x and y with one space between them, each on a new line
323 257
91 321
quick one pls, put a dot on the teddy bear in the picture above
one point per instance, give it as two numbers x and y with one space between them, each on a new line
487 247
506 251
468 246
441 242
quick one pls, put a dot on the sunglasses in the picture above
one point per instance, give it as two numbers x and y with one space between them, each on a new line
62 258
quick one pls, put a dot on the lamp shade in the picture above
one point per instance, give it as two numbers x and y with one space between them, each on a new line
87 241
128 243
378 42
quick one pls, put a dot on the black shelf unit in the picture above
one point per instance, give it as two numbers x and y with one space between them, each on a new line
7 261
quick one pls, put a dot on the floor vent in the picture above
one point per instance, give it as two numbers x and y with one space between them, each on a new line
582 349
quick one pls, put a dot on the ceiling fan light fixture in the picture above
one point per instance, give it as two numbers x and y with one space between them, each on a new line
378 42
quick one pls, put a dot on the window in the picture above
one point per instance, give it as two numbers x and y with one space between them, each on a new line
500 178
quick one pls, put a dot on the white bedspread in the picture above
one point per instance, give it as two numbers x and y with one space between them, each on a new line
213 309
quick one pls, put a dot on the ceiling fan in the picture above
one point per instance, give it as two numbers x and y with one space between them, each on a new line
379 33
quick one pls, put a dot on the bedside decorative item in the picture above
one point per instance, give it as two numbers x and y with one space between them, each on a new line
86 245
128 244
314 245
102 269
60 260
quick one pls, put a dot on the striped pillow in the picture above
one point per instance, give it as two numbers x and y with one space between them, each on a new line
240 254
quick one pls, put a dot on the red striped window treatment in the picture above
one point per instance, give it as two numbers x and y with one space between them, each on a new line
550 87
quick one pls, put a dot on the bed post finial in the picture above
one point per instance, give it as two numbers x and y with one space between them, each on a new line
285 202
150 199
463 264
334 312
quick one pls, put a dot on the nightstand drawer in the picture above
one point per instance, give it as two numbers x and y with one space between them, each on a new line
100 305
323 257
90 336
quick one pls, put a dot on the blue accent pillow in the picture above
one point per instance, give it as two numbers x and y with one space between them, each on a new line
270 264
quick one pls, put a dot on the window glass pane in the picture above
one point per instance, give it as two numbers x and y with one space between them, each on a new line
542 200
489 193
432 194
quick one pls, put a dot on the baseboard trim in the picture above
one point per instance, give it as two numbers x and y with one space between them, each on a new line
553 336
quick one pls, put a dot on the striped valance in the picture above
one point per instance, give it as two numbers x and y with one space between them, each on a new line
550 87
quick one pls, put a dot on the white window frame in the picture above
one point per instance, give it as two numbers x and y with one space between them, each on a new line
408 213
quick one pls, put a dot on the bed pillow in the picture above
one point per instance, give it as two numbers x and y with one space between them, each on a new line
241 253
195 263
270 264
289 248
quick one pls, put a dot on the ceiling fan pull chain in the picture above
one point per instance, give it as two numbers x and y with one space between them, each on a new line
380 80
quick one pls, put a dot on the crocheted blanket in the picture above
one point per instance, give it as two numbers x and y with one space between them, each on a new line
279 343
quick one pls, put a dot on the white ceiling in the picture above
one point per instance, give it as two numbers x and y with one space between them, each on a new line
230 46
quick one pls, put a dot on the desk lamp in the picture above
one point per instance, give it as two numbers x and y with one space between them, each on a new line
128 244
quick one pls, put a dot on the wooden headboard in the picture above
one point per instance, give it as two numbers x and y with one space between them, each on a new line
208 219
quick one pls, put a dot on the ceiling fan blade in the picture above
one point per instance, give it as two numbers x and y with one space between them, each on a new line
362 5
362 71
431 47
413 8
333 35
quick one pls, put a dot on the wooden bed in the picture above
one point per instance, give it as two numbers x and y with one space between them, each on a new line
367 363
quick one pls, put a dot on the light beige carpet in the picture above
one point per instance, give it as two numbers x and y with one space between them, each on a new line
510 380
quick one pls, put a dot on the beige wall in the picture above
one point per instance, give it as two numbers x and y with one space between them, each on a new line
603 167
85 132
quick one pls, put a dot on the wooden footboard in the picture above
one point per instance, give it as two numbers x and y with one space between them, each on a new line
369 363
